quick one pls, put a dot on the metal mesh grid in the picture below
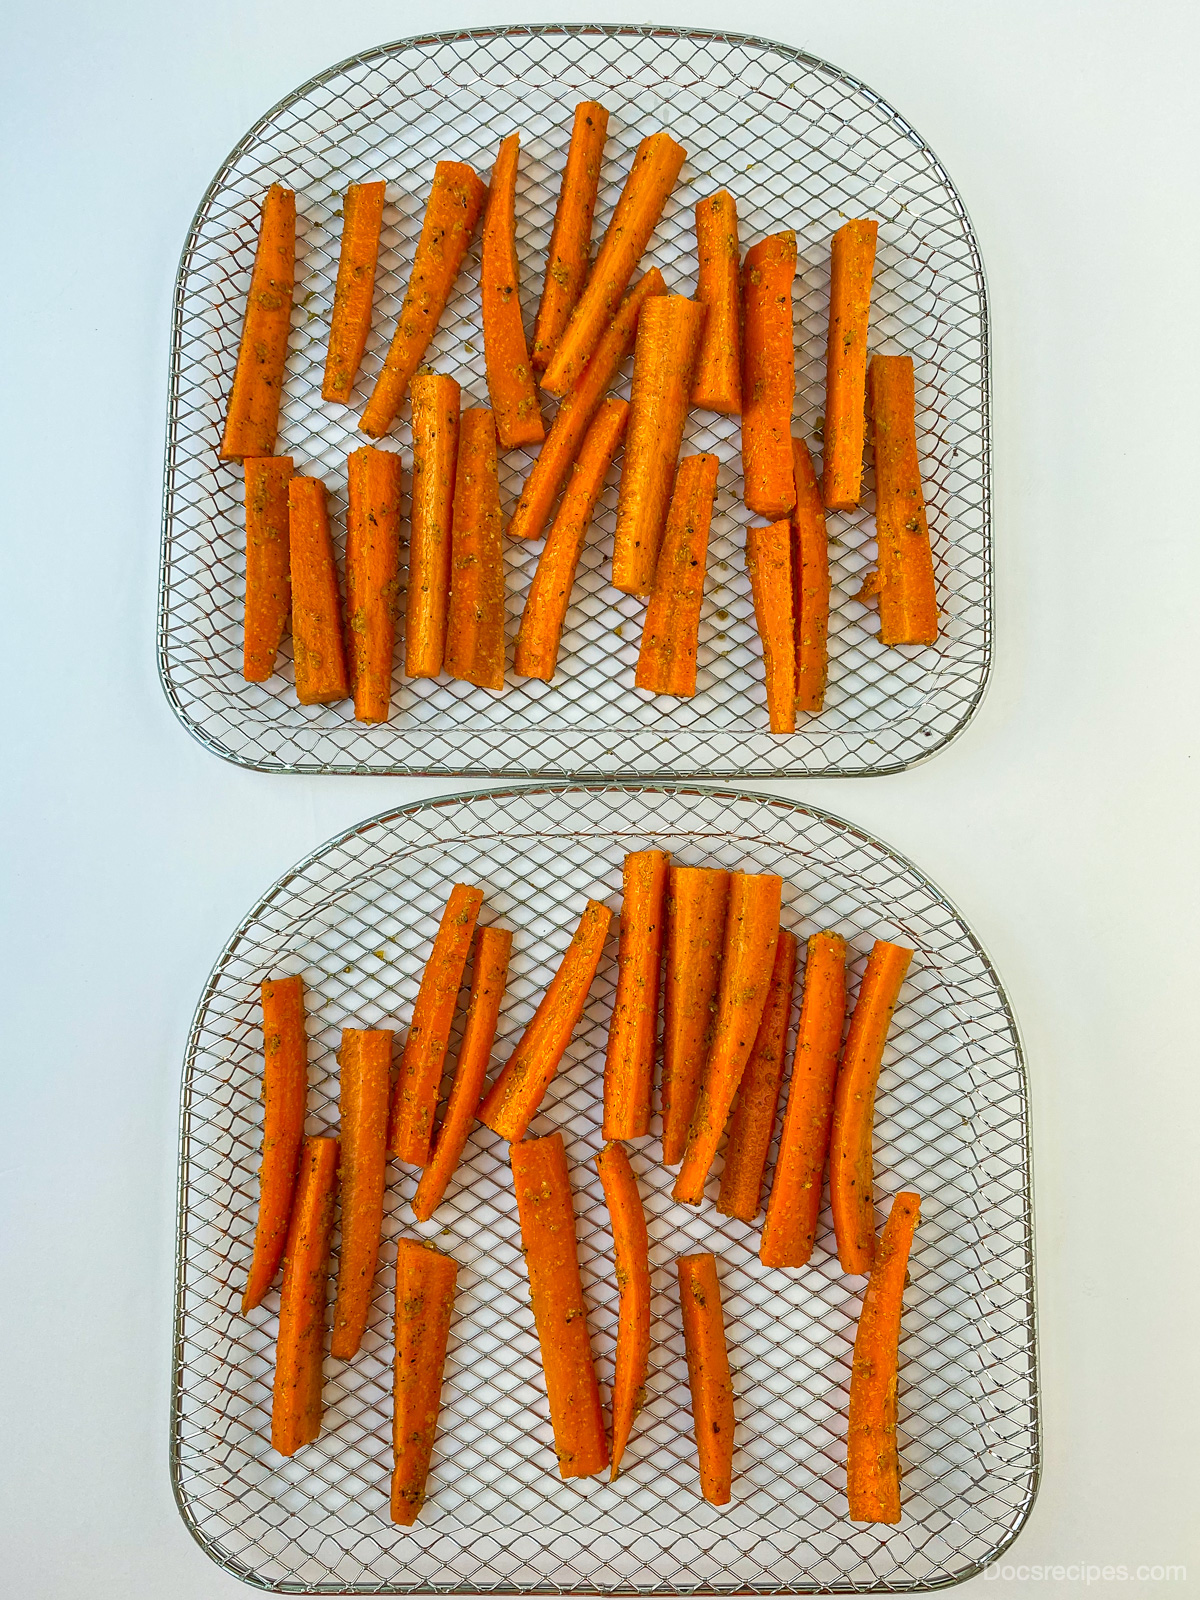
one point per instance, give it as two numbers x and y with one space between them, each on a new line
356 919
800 145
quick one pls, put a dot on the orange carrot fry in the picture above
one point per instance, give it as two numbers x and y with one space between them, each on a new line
454 206
872 1460
296 1394
414 1099
268 567
285 1094
362 222
633 1030
768 375
631 1256
316 605
252 422
708 1374
769 563
475 615
425 1281
435 408
717 385
851 1173
510 1104
908 612
697 901
372 578
851 265
571 240
509 375
365 1060
671 630
544 1203
790 1229
810 584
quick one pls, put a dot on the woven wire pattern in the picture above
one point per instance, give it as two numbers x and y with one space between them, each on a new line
799 144
357 919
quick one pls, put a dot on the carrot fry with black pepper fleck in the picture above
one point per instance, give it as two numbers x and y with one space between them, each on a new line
810 584
571 240
509 375
425 1282
631 1255
851 265
768 375
252 421
671 629
908 612
697 902
717 384
320 660
350 326
435 411
769 564
475 616
372 578
365 1065
709 1377
633 1029
285 1095
268 564
296 1392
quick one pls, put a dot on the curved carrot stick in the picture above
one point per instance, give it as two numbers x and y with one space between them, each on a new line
631 1256
285 1095
435 409
769 564
365 1060
571 240
768 375
509 376
252 422
320 661
633 1030
425 1281
296 1393
268 566
851 264
670 633
475 616
908 611
810 584
708 1374
717 385
350 326
697 901
372 578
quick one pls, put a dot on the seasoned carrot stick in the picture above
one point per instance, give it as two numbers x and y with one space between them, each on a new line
633 1030
747 960
372 578
296 1394
717 385
493 946
365 1060
510 1104
671 630
631 1258
872 1460
509 375
475 615
851 1173
435 408
350 326
810 584
268 567
697 901
414 1099
768 375
453 209
769 563
316 605
851 265
908 612
708 1374
425 1280
571 240
540 633
252 422
285 1094
544 1203
790 1229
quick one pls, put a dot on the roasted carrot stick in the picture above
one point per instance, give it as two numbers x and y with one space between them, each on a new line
717 385
285 1094
633 1030
493 946
697 901
365 1060
790 1229
631 1257
549 597
768 375
425 1281
851 265
453 209
908 612
747 961
350 326
372 578
296 1394
810 584
316 605
872 1460
769 563
268 567
708 1374
509 375
252 422
544 1203
571 240
509 1105
851 1172
475 616
435 408
414 1099
671 630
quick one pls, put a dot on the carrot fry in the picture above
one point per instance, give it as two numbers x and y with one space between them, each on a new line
872 1460
414 1099
851 265
851 1172
509 375
546 605
671 630
708 1374
425 1281
285 1094
296 1393
435 408
717 385
268 567
790 1229
768 375
810 584
631 1258
547 1213
493 946
372 578
252 421
350 326
571 240
451 212
316 605
908 612
510 1104
365 1060
475 615
697 901
769 563
747 960
629 1059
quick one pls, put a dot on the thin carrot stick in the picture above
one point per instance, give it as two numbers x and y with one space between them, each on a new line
671 630
810 584
631 1258
510 1104
475 615
365 1060
296 1393
320 661
768 375
769 563
435 409
544 1203
717 385
509 375
285 1094
633 1030
425 1281
268 567
372 578
350 326
851 265
908 611
252 421
851 1174
708 1374
451 212
697 902
571 240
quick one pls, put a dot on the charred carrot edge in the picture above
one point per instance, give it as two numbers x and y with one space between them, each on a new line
571 240
697 902
320 660
296 1393
768 376
872 1460
350 325
509 375
908 612
851 265
547 1212
708 1374
451 212
475 616
372 578
747 960
790 1229
769 564
268 564
633 1030
671 630
810 584
717 384
435 410
631 1256
425 1282
285 1095
365 1061
851 1174
252 421
414 1099
493 947
509 1105
549 597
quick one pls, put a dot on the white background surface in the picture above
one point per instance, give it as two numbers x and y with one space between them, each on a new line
1063 823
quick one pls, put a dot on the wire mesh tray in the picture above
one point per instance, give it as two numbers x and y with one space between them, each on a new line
356 919
799 144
